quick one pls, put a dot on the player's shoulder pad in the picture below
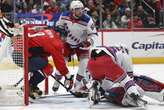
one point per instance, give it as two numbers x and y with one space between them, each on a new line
85 18
66 13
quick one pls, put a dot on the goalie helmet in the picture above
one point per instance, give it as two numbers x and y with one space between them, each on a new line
99 51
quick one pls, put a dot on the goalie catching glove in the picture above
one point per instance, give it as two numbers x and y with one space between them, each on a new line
69 78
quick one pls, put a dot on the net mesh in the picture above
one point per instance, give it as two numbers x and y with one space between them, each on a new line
11 71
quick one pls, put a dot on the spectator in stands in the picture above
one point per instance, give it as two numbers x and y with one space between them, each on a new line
6 6
155 4
162 3
95 18
126 18
35 9
113 8
136 22
64 4
109 23
122 8
117 18
56 8
49 9
151 21
142 14
91 5
21 5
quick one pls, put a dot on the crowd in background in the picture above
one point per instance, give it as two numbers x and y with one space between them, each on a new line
115 14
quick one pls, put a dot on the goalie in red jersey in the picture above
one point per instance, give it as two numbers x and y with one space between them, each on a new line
43 43
112 73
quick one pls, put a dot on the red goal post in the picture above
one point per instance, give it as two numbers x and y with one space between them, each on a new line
27 28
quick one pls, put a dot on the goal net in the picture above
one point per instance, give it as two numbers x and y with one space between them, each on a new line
13 72
14 87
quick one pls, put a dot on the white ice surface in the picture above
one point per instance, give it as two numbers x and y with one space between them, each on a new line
68 102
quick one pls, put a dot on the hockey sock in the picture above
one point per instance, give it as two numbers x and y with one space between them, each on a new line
36 78
57 75
78 81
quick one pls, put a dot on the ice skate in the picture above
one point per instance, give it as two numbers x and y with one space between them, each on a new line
81 90
55 86
35 92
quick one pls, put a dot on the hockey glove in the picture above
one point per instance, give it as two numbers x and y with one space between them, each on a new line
85 45
69 81
94 93
62 31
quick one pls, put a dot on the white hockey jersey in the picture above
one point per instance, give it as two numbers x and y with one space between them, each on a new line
78 30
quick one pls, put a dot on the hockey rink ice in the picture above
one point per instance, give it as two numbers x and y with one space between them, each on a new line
59 101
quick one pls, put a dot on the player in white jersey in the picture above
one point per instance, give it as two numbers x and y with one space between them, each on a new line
79 31
113 78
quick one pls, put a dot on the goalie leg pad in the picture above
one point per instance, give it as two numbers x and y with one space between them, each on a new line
151 88
148 84
115 95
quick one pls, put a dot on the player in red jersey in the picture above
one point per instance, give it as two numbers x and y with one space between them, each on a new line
43 43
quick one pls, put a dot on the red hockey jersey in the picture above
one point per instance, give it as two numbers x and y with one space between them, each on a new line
51 44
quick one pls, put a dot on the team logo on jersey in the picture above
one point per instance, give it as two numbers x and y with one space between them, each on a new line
92 26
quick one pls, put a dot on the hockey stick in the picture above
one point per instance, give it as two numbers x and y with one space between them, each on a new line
14 86
63 86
